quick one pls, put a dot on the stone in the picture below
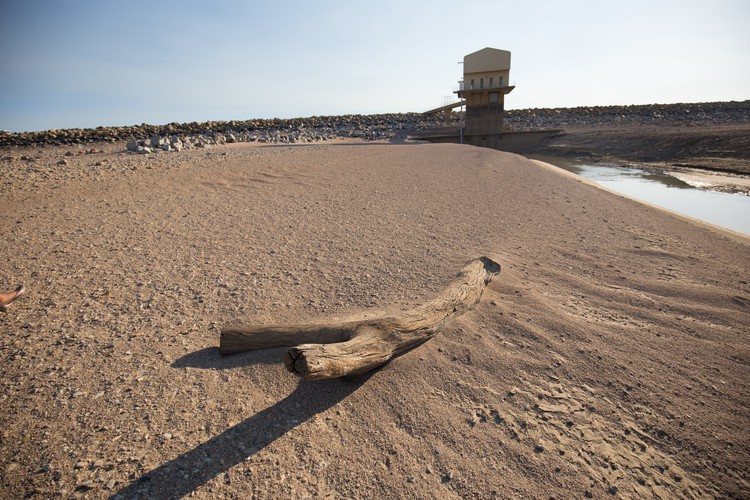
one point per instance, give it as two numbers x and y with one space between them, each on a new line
84 487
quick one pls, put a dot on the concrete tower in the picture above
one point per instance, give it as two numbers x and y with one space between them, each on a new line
485 83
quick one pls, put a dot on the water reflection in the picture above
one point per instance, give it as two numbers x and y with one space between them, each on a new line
731 211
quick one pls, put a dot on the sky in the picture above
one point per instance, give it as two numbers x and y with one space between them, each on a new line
89 63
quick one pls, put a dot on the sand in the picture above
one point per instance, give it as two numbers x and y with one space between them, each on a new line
608 358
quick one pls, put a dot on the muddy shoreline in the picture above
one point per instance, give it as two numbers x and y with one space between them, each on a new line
715 148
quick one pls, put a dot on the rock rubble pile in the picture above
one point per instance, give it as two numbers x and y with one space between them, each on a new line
176 136
146 138
691 115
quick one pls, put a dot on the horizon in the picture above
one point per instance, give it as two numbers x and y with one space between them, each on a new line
88 65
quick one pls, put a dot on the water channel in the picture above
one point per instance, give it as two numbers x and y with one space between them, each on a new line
731 211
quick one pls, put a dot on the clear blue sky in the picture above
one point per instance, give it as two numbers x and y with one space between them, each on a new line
85 63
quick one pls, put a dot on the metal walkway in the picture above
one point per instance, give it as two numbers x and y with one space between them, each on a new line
447 107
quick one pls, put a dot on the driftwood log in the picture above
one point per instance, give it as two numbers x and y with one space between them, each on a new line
351 348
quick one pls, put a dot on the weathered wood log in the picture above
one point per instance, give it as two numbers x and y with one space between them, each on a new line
352 348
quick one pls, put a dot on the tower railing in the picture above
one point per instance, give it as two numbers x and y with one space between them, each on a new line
495 85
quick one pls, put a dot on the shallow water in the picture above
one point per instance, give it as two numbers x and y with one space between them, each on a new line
731 211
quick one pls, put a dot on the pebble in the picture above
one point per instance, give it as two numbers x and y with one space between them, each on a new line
83 487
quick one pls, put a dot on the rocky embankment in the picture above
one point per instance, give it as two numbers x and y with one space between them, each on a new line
675 115
176 136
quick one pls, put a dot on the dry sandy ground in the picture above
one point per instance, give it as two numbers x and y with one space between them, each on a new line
608 358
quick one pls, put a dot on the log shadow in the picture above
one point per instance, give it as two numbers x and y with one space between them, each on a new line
211 359
184 474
